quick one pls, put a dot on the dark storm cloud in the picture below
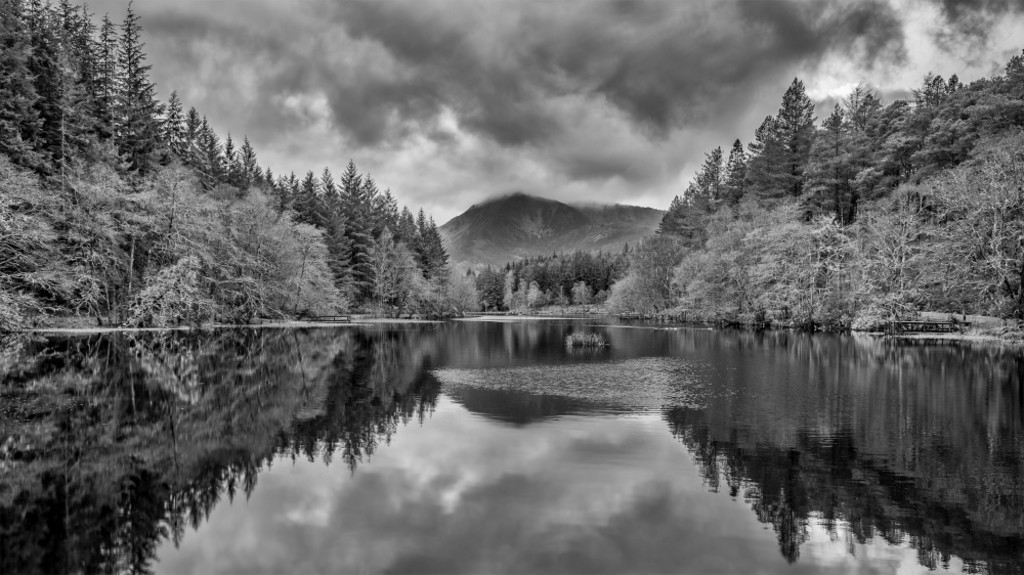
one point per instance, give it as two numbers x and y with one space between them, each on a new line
972 19
461 99
706 71
435 63
500 67
211 58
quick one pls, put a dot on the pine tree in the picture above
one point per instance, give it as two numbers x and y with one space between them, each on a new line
232 165
861 107
78 65
389 211
106 80
339 247
351 181
359 229
672 221
174 127
796 131
19 118
307 202
327 186
419 245
138 127
954 85
285 200
830 172
932 92
735 174
406 230
765 161
210 158
433 257
709 182
333 211
251 174
193 136
44 67
370 198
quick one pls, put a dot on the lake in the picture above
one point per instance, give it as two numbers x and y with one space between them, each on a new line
490 447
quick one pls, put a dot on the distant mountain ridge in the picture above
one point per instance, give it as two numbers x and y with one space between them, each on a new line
520 225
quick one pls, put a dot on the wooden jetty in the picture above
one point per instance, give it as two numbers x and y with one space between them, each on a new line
677 316
925 326
329 318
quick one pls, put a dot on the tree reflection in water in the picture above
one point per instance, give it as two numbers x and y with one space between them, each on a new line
113 443
913 444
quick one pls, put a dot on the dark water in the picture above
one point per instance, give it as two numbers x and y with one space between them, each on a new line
490 448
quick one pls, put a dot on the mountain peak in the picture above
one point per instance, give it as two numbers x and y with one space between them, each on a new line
520 225
513 197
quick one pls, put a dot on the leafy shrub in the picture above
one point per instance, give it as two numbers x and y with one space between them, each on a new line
586 340
10 316
173 298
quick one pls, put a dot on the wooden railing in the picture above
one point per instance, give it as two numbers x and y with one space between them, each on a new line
676 316
329 318
926 326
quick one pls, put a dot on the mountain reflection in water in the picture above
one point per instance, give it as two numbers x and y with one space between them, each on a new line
490 447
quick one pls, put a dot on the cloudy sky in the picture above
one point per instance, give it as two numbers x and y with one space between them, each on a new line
450 102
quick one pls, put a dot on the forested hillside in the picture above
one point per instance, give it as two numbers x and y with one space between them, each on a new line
878 210
120 207
520 226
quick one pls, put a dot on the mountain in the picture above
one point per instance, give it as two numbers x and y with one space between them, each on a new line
520 225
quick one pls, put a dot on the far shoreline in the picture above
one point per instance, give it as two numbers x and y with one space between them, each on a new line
65 327
281 324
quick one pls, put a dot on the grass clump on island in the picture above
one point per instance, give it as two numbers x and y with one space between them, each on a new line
585 340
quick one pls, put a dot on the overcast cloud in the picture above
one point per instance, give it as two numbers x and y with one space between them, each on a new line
449 102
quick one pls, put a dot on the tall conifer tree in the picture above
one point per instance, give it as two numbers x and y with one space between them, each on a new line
251 173
796 131
174 127
735 174
138 130
19 118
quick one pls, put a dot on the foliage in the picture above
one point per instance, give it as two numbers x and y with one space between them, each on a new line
585 340
582 294
648 284
980 232
172 298
490 285
550 279
878 213
462 292
127 210
11 317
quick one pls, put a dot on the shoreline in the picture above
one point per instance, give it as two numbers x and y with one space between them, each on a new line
948 338
69 328
282 324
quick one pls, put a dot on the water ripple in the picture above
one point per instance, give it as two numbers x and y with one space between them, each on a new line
643 384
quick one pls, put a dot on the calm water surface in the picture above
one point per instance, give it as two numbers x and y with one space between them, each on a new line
488 447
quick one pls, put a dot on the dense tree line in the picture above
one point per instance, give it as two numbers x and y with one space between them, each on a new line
879 210
577 278
119 206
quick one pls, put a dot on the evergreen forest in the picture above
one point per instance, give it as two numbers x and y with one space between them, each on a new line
127 210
